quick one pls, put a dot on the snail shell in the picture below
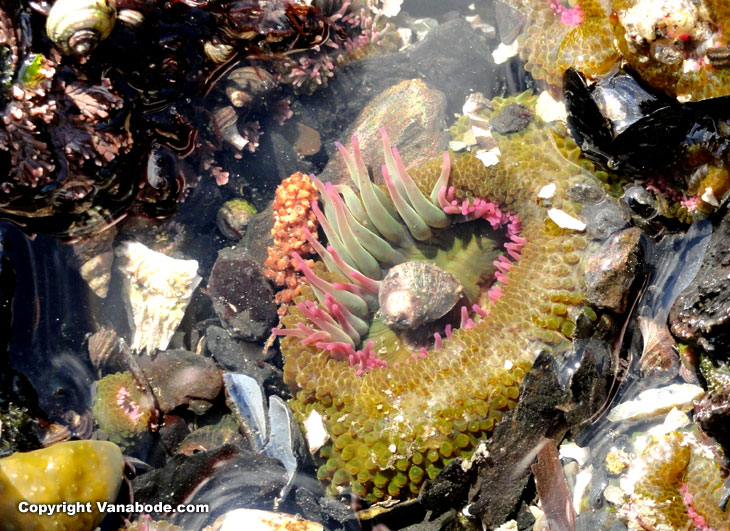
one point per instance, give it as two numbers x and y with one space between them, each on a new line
77 26
218 52
415 293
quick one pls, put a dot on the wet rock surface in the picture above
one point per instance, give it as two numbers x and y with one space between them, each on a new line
611 271
551 401
225 478
241 295
179 377
414 115
701 314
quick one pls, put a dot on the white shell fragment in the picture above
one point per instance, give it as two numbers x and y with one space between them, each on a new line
488 157
573 451
257 520
565 220
709 197
547 191
504 52
548 109
317 435
655 402
156 290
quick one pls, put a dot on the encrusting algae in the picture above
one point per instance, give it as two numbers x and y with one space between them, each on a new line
399 404
678 485
677 46
70 472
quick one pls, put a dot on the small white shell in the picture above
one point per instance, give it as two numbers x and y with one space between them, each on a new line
566 221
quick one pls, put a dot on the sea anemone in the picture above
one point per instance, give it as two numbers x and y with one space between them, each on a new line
121 409
403 381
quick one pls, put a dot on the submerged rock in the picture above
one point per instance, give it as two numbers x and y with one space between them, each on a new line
69 472
412 112
179 377
701 314
241 295
611 271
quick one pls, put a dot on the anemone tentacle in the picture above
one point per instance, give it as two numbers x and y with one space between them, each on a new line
398 405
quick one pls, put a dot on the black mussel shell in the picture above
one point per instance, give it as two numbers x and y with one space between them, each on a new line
620 124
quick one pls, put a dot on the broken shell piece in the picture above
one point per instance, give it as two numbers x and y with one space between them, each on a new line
565 220
655 402
95 256
156 290
315 431
505 52
257 520
709 197
488 158
548 109
547 191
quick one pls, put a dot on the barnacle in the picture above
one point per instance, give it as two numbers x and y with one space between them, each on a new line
678 481
399 407
121 409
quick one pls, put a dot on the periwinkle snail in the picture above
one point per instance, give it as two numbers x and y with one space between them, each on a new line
77 26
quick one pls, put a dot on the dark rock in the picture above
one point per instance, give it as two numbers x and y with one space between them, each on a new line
179 377
712 412
701 314
513 118
331 513
611 271
242 297
239 356
258 236
538 413
509 21
172 431
225 478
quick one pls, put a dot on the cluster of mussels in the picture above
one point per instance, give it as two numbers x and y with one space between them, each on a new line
102 101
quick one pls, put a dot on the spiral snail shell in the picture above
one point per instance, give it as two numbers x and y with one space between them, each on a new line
77 26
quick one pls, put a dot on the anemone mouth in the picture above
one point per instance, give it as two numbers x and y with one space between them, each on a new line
374 230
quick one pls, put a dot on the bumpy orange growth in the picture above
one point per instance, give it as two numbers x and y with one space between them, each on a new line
292 213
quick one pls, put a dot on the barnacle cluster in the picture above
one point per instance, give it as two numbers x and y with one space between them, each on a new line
121 409
401 402
678 485
292 216
678 46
